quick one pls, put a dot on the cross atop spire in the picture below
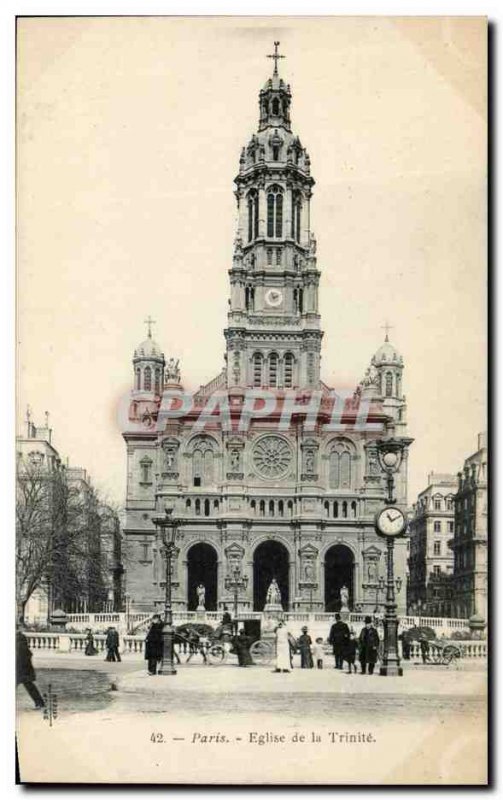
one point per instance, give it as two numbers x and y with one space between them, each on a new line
149 321
276 56
387 327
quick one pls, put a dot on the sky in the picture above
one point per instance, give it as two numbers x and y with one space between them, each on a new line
128 140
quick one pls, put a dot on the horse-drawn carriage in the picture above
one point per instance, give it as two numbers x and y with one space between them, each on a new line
215 644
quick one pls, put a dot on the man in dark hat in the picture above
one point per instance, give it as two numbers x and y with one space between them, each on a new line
112 645
339 638
154 644
25 673
369 646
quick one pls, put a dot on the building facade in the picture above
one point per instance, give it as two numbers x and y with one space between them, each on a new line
431 561
269 472
470 540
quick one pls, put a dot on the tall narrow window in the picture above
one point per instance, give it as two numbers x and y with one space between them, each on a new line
275 152
252 215
275 212
278 256
138 378
273 369
275 106
269 256
257 369
288 370
296 216
146 470
147 379
157 381
345 470
389 384
334 470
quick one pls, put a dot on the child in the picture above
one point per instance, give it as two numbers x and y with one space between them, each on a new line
318 652
350 651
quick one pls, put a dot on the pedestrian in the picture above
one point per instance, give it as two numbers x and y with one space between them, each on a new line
225 631
350 652
318 652
154 645
338 638
282 649
90 650
242 644
25 674
112 645
405 637
304 643
368 646
425 649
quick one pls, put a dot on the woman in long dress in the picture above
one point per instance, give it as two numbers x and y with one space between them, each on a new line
282 649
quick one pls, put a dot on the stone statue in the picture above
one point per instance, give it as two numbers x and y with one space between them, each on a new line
344 597
201 595
172 372
234 460
273 597
309 462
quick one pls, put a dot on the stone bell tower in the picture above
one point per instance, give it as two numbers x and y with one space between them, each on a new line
273 334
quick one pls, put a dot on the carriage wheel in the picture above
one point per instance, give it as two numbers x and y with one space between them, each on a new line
450 654
262 652
216 654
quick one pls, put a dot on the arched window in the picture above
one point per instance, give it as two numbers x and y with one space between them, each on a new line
271 508
278 256
202 461
249 298
336 509
326 506
253 506
157 380
138 378
280 508
257 369
208 467
298 298
340 465
273 369
206 508
216 505
389 384
275 106
288 370
262 508
290 508
147 379
269 256
275 212
188 504
198 508
344 509
275 152
296 215
353 509
252 215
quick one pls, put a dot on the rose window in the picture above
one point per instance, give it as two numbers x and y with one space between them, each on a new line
272 457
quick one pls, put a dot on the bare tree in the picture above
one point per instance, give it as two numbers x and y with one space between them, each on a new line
59 539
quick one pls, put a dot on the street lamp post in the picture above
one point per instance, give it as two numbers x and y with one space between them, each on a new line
236 581
167 526
391 524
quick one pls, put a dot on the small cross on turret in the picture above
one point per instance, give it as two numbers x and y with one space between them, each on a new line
276 56
149 321
387 327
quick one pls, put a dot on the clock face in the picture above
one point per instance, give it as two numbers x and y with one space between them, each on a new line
274 297
390 522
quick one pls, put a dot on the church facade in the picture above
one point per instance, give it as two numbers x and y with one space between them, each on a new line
270 473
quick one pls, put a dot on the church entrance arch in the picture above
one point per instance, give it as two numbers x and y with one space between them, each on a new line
339 571
270 560
202 567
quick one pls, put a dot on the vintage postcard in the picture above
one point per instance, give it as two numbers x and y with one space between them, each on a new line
252 432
